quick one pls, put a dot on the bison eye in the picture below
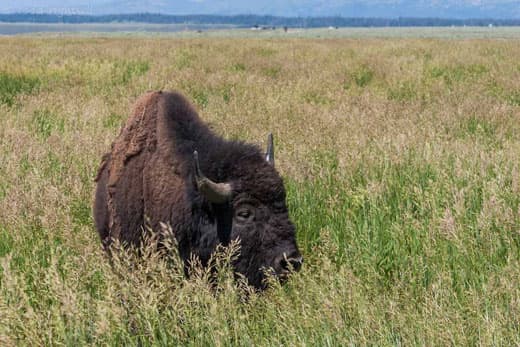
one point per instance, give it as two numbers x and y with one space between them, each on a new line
244 214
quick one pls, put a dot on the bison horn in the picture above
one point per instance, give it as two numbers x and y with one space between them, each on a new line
215 192
269 154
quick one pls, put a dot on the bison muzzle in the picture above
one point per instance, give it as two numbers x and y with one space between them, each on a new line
167 166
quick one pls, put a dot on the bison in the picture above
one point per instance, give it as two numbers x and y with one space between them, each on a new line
167 166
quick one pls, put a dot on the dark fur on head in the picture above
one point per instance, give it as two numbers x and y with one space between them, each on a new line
150 172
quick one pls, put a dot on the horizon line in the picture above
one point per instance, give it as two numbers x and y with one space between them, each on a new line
258 15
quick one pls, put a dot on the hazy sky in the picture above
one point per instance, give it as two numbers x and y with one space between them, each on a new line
348 8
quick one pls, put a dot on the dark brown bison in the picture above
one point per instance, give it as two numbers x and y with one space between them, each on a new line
164 167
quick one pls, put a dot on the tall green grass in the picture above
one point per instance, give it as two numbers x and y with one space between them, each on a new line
400 159
11 85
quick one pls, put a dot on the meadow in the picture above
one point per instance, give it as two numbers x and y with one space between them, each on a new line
401 158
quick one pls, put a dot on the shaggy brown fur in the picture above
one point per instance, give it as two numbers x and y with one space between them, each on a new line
149 174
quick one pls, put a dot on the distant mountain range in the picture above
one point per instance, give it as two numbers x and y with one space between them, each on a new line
461 9
260 22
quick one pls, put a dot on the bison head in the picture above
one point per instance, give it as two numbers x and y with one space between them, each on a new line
250 206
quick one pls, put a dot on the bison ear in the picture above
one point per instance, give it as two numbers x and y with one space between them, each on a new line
217 193
269 153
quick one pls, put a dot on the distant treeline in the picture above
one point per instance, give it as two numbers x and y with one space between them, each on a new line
252 20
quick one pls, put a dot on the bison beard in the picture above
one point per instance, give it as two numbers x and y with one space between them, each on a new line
164 166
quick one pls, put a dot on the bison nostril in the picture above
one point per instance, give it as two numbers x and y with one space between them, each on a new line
286 264
296 263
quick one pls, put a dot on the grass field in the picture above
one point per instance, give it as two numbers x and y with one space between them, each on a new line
401 158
